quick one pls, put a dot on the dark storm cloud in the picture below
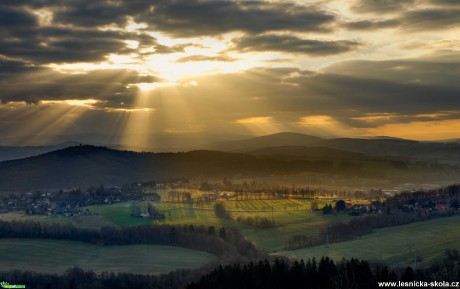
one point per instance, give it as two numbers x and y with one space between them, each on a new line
55 45
189 17
209 17
91 14
23 37
16 18
80 40
443 14
75 35
292 44
371 24
381 6
110 86
431 19
13 67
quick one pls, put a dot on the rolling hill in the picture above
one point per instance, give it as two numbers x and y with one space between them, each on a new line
448 153
269 156
273 140
380 147
82 166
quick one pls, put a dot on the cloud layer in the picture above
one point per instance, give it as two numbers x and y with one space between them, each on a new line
205 65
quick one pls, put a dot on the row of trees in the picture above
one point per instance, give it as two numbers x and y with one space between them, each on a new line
76 278
325 274
262 191
229 244
257 222
281 273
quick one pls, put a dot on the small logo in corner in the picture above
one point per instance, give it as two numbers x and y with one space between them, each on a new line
4 284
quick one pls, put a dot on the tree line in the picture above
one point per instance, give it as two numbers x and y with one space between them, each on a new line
77 278
325 274
264 274
228 244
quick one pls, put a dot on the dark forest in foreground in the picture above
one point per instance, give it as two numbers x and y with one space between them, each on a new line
278 274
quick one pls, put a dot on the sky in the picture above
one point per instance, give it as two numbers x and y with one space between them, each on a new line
136 70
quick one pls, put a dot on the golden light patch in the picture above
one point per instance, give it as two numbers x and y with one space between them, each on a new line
130 109
133 44
260 125
73 102
12 105
44 16
134 26
185 129
312 120
149 86
417 130
435 115
375 117
123 59
254 120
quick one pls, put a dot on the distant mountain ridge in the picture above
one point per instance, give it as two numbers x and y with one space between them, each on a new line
273 140
381 147
18 152
448 153
85 165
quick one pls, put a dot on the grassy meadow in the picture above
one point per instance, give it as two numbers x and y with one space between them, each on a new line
94 221
58 255
395 246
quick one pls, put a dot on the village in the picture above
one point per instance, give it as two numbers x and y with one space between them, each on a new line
72 202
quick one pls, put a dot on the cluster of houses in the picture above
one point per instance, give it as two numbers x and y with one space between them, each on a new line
72 202
377 207
41 204
427 206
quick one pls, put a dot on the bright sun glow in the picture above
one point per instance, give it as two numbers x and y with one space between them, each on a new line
73 102
207 56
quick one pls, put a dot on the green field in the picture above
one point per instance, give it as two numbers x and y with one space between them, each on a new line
291 216
94 221
395 246
58 255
